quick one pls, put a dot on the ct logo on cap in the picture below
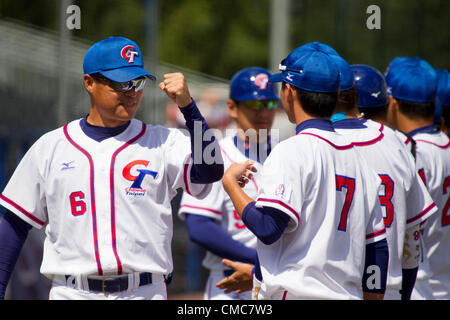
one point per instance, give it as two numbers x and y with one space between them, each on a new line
128 53
261 80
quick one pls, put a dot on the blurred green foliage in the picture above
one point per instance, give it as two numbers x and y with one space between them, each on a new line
221 36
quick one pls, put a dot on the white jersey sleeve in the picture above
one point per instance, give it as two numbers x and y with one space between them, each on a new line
179 164
30 202
277 188
211 206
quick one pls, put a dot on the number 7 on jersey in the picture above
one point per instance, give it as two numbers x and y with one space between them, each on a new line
349 184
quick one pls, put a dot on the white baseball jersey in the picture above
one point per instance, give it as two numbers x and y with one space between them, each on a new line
218 205
433 163
105 205
404 198
319 180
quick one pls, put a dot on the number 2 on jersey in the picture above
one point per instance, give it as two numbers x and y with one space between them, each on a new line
445 217
349 184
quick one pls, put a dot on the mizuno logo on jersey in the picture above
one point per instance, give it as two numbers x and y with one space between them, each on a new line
67 165
136 189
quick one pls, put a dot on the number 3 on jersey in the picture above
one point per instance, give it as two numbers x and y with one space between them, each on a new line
385 200
77 205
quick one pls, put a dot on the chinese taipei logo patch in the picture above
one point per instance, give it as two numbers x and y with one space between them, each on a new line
137 167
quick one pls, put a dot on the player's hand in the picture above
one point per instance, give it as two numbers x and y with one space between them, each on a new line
240 281
239 172
175 86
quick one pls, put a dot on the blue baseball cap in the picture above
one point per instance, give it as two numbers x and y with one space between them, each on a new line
346 77
116 58
346 74
252 84
311 70
411 79
370 85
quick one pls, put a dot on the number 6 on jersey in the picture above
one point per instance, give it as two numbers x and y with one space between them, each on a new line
77 204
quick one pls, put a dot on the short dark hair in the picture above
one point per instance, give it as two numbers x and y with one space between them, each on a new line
347 99
374 112
316 104
416 110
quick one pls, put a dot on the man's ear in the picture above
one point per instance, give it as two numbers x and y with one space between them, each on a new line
89 83
393 103
392 111
232 108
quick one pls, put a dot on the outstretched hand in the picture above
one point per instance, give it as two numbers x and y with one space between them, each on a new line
240 281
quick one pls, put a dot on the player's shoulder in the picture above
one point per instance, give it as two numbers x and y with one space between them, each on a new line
165 135
435 140
51 137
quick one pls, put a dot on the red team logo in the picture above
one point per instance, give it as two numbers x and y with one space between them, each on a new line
261 80
135 189
128 53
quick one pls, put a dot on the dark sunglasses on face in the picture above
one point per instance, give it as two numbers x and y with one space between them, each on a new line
258 104
138 84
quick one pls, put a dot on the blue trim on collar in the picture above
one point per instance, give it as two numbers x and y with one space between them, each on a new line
101 133
320 124
427 129
351 123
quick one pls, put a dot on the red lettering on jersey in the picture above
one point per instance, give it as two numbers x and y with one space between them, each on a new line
126 172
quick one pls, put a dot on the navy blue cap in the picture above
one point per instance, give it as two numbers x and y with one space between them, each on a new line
116 58
252 84
312 70
411 79
370 85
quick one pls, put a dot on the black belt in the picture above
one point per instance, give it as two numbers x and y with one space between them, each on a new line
110 285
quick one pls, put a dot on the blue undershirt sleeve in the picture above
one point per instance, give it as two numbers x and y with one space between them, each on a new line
376 267
13 233
202 172
268 224
207 233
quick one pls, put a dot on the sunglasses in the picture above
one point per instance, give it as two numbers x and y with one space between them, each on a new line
138 84
258 104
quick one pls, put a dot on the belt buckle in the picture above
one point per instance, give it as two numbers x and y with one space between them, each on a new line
103 285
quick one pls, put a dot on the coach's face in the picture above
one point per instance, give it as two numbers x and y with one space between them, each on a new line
110 108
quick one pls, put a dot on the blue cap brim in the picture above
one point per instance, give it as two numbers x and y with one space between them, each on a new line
277 77
126 74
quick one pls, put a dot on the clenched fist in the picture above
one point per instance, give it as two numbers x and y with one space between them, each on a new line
175 86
